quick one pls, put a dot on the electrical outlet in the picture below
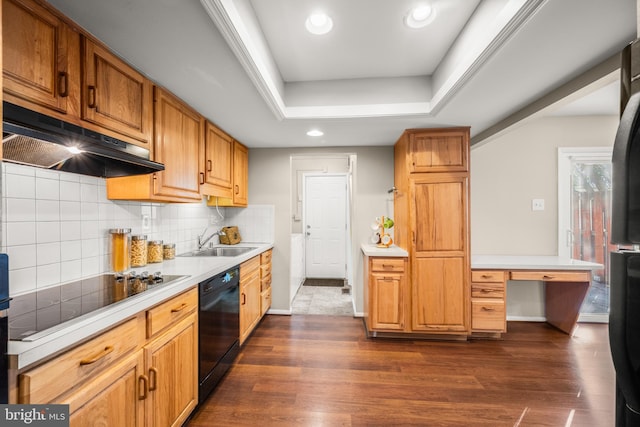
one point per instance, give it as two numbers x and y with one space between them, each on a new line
537 204
146 222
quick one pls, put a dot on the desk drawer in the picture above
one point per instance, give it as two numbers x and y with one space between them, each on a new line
488 316
487 276
487 290
552 276
388 264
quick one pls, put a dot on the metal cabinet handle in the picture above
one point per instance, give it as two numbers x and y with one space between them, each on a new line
63 84
237 189
153 379
244 299
488 309
178 309
143 387
487 276
108 349
91 95
545 277
209 166
201 178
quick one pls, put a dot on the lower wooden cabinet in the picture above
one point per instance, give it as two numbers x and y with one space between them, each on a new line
141 372
265 281
488 302
250 297
171 365
386 296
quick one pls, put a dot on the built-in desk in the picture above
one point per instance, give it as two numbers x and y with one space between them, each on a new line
566 282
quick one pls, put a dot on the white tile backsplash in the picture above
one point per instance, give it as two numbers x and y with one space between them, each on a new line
55 225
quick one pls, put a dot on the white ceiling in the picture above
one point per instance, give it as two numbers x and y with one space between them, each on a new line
250 66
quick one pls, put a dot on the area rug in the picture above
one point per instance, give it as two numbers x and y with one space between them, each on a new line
323 282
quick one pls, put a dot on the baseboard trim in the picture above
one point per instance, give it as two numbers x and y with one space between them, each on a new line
279 312
526 319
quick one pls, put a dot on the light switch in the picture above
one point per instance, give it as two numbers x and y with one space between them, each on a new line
537 204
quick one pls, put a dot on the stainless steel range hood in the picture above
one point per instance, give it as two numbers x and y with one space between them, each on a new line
35 139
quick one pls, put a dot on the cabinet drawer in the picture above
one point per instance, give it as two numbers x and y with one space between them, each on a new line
249 267
167 313
488 315
266 301
84 362
265 270
487 276
265 282
487 290
387 264
265 257
552 276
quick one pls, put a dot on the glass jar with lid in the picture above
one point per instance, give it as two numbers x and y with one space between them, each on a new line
154 251
120 249
169 251
138 251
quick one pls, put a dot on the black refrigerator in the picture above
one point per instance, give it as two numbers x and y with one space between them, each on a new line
624 315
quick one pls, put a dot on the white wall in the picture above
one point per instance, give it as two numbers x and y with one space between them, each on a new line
270 182
509 171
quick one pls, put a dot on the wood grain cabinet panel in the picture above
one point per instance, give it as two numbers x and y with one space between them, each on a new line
178 144
218 163
250 297
38 50
114 95
436 150
386 294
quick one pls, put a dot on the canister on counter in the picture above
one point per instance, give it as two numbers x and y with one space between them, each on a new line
169 250
120 249
138 251
154 251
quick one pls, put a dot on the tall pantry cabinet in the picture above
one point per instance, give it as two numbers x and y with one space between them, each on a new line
431 210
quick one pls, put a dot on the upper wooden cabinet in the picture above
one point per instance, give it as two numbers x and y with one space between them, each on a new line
178 144
52 67
218 176
38 51
114 95
444 150
240 187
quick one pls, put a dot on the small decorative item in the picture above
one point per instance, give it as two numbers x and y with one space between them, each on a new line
380 235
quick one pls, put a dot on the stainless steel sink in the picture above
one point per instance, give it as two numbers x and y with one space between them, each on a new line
220 251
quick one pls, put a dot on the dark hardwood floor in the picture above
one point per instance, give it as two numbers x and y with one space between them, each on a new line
322 371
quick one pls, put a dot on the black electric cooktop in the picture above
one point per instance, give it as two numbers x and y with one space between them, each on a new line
30 315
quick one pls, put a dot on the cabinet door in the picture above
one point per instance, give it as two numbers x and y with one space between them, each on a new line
240 174
250 300
114 398
218 163
439 295
440 217
171 364
178 139
444 150
114 95
35 54
387 303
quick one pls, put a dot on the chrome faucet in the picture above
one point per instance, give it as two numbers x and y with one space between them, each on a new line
202 242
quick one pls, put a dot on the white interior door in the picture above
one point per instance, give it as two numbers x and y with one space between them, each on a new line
325 225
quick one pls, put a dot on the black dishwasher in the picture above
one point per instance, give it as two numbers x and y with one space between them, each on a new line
218 328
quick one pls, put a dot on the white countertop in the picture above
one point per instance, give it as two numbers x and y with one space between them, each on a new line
392 251
196 269
531 262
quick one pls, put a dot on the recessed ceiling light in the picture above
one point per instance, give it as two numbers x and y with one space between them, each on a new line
319 23
315 132
420 16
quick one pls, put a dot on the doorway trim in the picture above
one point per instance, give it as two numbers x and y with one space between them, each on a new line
565 156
